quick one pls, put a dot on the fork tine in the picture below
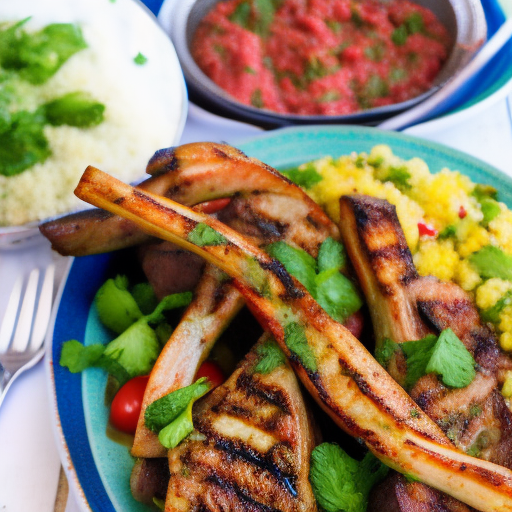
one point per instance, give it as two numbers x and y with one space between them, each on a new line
44 309
22 334
7 327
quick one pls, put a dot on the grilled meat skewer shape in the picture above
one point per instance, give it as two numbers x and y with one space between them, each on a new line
335 368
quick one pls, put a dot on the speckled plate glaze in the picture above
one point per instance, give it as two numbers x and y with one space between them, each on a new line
98 468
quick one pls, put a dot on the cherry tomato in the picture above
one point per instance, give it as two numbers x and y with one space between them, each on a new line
212 372
462 212
214 205
426 230
125 408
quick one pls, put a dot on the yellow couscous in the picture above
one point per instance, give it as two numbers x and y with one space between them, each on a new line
449 222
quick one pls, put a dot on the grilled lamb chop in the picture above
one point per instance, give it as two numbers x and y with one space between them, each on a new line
335 368
406 307
251 448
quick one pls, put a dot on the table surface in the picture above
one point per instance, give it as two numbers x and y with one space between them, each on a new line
29 460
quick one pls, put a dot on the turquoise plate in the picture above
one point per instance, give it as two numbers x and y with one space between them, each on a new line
99 468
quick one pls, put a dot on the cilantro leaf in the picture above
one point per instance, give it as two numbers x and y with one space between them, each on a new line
445 356
140 59
270 357
171 415
116 306
241 15
296 340
297 262
492 314
418 354
203 235
452 361
491 261
340 483
305 178
490 209
336 294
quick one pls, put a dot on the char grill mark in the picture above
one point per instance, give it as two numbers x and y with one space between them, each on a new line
475 418
164 160
253 449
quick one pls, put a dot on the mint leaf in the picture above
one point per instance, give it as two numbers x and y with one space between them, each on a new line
270 357
452 361
165 410
203 235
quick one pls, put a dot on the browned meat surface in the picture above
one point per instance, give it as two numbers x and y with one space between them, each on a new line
149 479
170 269
189 174
251 448
404 307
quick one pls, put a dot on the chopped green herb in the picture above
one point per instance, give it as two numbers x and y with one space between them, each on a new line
329 96
356 18
264 11
493 313
399 176
447 232
145 297
305 178
375 87
241 15
296 261
376 52
491 261
484 191
270 357
296 340
257 99
331 255
451 361
385 351
250 70
77 357
38 56
341 483
140 59
414 23
490 209
171 415
334 26
74 109
203 235
415 413
23 143
475 410
399 35
397 75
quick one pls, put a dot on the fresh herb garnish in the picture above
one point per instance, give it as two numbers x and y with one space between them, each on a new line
341 483
385 351
78 109
296 340
203 235
171 415
491 261
305 178
270 357
140 59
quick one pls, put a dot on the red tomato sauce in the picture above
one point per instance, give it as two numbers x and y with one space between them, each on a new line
319 57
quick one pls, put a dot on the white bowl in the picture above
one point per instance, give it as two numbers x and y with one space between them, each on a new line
157 88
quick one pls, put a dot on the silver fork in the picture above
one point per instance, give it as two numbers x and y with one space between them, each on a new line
24 326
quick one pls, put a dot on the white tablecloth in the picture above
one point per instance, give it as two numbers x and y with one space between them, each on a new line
29 461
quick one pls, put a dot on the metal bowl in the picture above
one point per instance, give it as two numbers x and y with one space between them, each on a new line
464 20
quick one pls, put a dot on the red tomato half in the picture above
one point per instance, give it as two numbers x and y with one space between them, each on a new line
212 372
125 408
